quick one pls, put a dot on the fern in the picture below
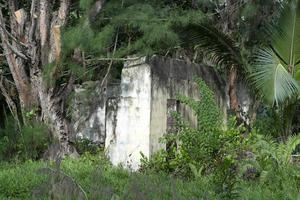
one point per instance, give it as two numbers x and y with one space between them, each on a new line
285 150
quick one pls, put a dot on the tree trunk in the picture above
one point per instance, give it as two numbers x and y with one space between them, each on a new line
15 63
33 43
234 104
229 18
232 93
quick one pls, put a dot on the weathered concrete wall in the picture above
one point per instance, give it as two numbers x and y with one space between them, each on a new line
171 78
142 115
132 118
132 132
88 112
159 109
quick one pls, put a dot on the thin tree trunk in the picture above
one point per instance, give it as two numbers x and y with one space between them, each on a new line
232 79
229 18
16 66
11 104
233 98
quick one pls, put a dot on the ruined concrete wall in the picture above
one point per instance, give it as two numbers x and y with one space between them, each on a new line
131 135
142 112
132 118
171 78
88 112
160 110
111 121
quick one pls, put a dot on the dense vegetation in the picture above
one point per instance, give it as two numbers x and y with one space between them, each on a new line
249 41
100 180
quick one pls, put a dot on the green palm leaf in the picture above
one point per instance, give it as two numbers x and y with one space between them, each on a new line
271 77
275 67
286 39
297 75
216 45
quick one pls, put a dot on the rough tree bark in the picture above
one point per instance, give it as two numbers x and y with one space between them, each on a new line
31 40
232 90
229 18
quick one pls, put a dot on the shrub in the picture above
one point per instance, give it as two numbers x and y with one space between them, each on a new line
269 121
198 146
84 145
231 157
28 142
206 150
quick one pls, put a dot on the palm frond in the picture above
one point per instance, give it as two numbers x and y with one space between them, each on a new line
286 38
297 75
275 68
216 45
271 77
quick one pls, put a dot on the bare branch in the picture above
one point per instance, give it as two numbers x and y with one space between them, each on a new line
12 5
16 68
11 104
114 51
33 20
111 62
16 51
113 59
5 39
11 36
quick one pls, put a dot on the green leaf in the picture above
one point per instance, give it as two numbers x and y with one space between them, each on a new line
286 39
297 75
217 46
271 77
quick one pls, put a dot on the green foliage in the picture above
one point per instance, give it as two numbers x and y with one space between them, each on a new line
161 186
198 146
272 78
30 142
134 27
100 180
269 123
18 180
217 46
201 144
143 28
230 158
275 67
206 150
86 146
278 175
207 110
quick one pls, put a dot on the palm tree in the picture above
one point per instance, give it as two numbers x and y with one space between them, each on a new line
276 68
